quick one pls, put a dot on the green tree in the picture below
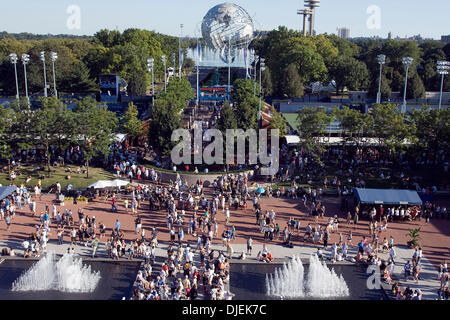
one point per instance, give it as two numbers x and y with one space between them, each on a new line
6 149
354 124
292 84
415 88
312 125
81 81
137 83
349 72
278 122
389 127
51 123
243 90
96 126
432 128
266 82
166 119
131 125
227 118
247 114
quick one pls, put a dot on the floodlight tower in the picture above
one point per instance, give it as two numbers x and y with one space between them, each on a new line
13 57
25 60
442 69
381 62
312 4
151 65
407 62
54 57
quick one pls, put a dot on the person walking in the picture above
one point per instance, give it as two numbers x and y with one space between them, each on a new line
94 245
355 220
249 246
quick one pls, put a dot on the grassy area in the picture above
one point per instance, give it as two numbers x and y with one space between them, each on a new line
79 181
291 118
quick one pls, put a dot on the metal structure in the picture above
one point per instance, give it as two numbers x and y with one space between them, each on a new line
381 62
163 60
261 69
180 51
309 12
45 73
54 56
151 65
305 13
442 69
407 62
13 58
25 60
227 27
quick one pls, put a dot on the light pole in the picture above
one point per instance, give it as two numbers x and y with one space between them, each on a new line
381 61
151 64
442 69
261 69
163 60
407 61
229 67
45 73
54 56
25 60
254 75
14 59
174 62
180 51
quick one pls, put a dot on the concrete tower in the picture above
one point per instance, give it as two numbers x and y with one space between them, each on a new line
312 4
305 13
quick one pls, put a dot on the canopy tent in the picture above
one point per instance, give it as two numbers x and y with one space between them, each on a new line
118 183
387 196
292 139
7 191
102 184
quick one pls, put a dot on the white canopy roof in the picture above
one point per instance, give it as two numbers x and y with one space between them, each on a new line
108 184
291 139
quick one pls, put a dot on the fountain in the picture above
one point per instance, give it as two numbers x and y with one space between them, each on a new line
66 275
321 282
286 282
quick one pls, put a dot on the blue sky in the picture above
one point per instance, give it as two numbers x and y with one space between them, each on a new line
402 17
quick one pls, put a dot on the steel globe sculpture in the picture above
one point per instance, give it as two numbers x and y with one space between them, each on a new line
227 27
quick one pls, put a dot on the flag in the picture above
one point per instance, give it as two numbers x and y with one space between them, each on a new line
199 51
181 58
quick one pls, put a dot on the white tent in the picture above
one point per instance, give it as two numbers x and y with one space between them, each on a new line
108 184
118 183
292 140
100 184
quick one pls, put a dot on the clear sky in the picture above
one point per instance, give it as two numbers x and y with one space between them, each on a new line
402 17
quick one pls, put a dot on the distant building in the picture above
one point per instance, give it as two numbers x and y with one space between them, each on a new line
445 38
343 33
390 35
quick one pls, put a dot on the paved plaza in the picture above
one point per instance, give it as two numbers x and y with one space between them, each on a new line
435 236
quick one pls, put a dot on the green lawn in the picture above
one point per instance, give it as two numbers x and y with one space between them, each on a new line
79 181
291 118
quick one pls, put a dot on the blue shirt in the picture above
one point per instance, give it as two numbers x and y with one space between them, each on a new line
117 225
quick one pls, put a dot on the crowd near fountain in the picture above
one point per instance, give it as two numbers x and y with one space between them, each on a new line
66 275
321 282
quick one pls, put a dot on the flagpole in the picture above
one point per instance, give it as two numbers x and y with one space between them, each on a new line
198 63
229 67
